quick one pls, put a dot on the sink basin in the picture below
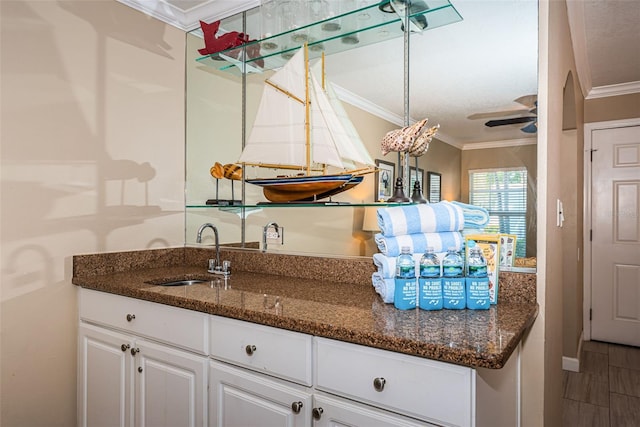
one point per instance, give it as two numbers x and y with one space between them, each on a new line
180 282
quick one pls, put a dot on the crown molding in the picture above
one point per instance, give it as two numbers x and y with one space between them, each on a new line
500 144
614 90
189 19
366 105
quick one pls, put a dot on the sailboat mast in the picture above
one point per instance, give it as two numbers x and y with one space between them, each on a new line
307 104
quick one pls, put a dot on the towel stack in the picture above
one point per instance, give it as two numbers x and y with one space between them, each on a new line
419 227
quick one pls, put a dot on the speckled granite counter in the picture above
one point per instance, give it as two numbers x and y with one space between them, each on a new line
328 297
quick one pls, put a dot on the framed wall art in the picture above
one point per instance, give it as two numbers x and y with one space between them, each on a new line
384 180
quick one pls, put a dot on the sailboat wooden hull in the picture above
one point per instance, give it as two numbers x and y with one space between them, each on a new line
355 180
301 188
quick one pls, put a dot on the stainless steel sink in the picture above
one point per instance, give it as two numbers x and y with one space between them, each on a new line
179 282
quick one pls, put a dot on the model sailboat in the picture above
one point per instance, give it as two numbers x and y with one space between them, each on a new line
301 125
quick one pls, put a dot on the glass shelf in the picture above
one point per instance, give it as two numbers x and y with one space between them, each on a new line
367 25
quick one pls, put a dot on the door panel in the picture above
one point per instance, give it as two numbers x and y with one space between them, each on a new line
615 246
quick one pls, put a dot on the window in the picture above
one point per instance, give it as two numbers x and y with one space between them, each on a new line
503 192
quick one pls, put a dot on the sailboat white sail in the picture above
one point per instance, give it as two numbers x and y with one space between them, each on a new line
300 125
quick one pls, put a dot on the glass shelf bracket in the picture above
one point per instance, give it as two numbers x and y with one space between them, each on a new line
367 25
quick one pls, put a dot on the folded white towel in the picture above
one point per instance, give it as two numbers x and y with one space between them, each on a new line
420 218
474 216
384 287
419 242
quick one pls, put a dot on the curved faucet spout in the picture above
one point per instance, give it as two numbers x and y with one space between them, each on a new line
265 230
215 233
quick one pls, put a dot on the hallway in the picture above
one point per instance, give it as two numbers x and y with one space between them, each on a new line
606 392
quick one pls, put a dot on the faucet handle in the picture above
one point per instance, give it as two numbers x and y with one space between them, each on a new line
212 265
226 267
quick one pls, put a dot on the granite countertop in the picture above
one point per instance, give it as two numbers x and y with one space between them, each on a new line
350 312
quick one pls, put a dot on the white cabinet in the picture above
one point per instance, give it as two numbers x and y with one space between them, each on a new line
241 398
126 380
433 391
329 411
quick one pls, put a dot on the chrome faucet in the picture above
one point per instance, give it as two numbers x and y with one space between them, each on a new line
214 266
264 234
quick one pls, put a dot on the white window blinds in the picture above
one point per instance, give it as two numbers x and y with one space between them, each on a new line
503 192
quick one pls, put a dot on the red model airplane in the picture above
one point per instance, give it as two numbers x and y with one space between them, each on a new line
226 41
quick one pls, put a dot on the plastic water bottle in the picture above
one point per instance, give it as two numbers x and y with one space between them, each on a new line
477 282
453 284
405 293
430 282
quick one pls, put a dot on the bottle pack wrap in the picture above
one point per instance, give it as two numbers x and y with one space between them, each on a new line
420 218
419 242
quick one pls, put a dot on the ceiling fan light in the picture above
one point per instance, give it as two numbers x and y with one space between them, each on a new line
530 128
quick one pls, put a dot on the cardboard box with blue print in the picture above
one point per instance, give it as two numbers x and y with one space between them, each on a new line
490 245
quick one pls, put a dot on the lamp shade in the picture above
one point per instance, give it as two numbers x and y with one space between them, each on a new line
370 221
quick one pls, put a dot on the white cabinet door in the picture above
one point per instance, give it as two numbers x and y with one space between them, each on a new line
170 386
239 398
104 378
335 412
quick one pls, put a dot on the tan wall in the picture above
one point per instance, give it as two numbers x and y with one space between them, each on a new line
507 157
446 160
612 108
92 160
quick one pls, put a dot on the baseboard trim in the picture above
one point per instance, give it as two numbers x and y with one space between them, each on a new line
570 364
573 363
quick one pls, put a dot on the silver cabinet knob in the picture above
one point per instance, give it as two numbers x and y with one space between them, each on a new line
134 351
250 349
317 413
378 383
296 407
130 317
124 347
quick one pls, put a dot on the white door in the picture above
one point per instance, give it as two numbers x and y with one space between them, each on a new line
239 398
171 387
104 369
615 244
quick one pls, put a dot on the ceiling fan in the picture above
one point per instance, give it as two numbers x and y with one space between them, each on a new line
530 103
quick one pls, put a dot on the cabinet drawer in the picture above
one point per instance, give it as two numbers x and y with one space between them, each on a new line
272 351
433 391
176 326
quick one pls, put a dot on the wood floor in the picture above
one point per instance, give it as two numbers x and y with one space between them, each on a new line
606 391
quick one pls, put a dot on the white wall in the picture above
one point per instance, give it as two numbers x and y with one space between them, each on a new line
92 142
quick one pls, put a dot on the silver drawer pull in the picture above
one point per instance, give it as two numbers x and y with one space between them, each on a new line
296 407
130 317
378 383
317 413
250 349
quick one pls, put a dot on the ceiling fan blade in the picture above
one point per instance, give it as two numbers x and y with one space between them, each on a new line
530 128
488 115
513 121
527 100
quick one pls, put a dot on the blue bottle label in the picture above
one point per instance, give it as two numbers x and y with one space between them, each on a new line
477 289
452 271
430 293
405 294
477 271
453 293
429 271
406 271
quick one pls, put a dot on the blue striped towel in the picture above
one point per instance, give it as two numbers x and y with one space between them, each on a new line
387 265
384 287
419 242
474 216
420 218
